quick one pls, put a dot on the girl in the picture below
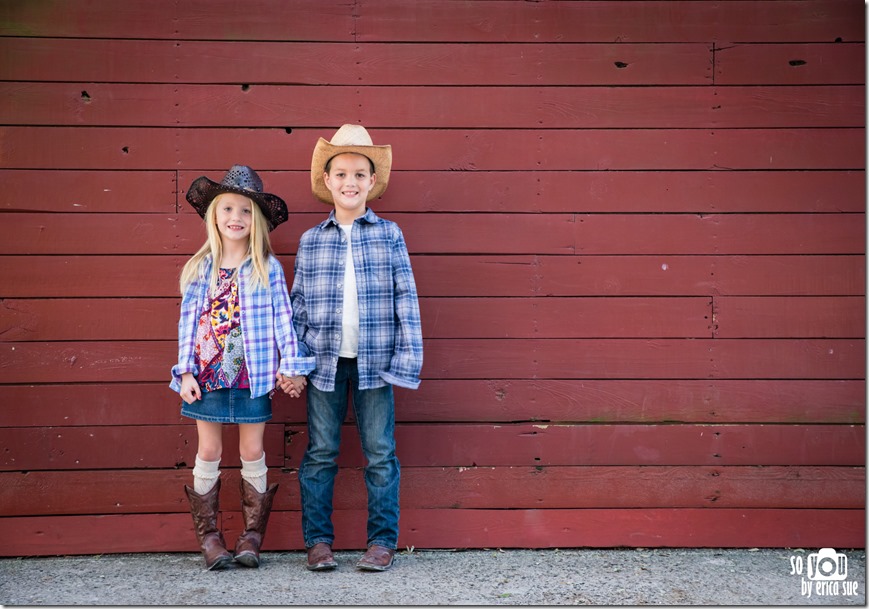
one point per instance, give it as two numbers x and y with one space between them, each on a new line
235 339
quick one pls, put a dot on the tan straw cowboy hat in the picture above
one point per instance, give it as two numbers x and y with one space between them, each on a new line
350 138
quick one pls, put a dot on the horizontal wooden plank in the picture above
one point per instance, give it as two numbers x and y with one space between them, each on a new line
79 448
477 191
69 535
94 319
565 317
581 358
45 493
790 275
489 276
121 447
89 191
125 233
640 401
449 444
70 362
497 21
692 21
600 191
315 63
261 20
474 191
545 444
72 276
121 319
724 149
828 63
422 529
776 317
638 359
492 400
445 149
721 234
684 275
184 233
64 405
589 234
168 105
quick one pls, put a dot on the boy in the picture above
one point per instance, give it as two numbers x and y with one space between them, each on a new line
355 309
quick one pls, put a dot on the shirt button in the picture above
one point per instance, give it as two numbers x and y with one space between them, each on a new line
341 263
338 310
340 284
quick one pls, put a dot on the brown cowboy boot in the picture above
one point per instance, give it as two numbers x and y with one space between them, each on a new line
205 509
255 507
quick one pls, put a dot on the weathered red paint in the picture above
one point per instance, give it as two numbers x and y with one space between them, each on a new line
637 230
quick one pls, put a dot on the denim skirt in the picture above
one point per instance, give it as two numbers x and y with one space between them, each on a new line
229 406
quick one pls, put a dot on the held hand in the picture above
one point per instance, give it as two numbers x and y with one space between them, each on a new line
299 384
292 386
190 391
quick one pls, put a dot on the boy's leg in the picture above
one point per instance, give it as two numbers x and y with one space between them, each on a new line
326 413
375 419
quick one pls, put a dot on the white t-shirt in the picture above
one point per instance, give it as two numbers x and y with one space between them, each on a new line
350 309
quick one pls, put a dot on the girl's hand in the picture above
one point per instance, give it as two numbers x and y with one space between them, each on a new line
299 384
190 391
292 386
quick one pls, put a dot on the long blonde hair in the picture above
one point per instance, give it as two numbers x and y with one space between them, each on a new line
258 251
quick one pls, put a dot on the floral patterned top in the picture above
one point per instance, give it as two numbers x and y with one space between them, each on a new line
219 351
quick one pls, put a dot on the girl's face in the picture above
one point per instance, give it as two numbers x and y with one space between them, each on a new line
349 179
234 216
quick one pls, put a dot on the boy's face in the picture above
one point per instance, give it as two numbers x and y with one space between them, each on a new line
349 179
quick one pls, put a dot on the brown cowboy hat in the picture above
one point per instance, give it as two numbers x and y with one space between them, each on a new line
242 180
350 138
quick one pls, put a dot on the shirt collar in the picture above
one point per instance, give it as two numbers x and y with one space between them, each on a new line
369 217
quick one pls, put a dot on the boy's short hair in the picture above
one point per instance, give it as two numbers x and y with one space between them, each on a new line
329 162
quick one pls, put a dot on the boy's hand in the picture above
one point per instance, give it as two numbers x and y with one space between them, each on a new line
190 391
292 386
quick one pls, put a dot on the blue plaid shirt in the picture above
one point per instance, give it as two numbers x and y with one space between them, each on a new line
270 343
390 333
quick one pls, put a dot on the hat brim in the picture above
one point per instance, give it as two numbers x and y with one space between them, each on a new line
202 192
381 156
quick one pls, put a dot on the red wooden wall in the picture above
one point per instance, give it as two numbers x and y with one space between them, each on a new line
638 232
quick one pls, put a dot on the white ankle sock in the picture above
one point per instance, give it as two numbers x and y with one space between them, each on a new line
255 473
205 475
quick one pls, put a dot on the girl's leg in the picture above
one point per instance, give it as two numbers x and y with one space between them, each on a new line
256 499
205 496
253 459
206 470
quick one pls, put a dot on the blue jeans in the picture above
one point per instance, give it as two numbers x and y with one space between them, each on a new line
375 420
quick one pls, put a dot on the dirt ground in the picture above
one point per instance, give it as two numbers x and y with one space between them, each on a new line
472 577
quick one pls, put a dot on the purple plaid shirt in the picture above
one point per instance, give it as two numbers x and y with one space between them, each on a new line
390 333
270 344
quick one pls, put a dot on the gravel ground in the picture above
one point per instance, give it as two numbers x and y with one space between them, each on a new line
472 577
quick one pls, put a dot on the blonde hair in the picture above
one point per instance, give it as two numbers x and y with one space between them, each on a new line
258 251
